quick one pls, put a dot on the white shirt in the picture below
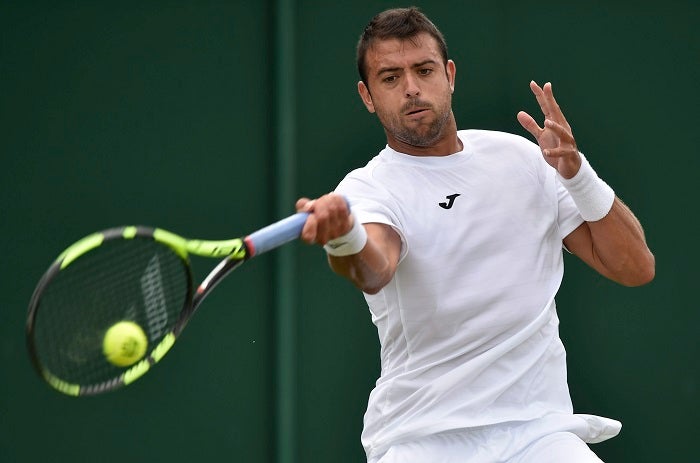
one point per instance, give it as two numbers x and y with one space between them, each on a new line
467 325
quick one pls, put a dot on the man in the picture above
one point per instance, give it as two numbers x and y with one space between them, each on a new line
456 239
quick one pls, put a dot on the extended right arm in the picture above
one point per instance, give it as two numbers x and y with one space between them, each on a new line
374 265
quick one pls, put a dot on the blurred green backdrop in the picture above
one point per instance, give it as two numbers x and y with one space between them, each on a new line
210 117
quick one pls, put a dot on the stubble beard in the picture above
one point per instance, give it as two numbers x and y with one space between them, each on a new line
420 136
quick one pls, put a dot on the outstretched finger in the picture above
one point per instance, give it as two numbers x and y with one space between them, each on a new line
529 124
554 109
540 97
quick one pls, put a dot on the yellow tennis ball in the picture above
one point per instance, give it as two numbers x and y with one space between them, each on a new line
124 343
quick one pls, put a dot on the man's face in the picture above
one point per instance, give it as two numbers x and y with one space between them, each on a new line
410 88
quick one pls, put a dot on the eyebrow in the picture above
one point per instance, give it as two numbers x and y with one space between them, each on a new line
397 68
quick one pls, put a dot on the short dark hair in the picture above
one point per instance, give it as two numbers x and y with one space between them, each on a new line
397 23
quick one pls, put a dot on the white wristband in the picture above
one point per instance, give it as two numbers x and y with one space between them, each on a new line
593 197
350 243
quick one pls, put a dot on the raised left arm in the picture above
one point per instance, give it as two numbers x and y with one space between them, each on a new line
614 246
611 240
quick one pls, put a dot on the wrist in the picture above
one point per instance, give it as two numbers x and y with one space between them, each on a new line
593 197
350 243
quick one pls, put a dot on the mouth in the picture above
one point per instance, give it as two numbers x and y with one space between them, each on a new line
416 111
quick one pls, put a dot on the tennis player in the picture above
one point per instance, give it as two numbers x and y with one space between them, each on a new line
456 239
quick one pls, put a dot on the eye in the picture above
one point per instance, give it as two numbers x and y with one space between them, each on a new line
390 79
425 71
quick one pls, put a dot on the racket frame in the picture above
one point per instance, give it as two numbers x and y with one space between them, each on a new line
233 251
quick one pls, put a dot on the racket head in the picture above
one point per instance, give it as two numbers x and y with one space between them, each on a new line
136 274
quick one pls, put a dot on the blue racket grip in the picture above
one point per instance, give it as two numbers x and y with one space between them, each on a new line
276 234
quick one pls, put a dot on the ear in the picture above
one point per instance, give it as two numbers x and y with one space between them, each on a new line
365 95
451 70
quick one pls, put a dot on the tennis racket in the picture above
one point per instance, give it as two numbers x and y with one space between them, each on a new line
134 274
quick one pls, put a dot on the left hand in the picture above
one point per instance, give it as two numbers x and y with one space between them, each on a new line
556 139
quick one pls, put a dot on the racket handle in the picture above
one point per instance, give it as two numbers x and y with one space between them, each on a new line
276 234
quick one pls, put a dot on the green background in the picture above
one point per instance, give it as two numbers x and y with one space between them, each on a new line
209 118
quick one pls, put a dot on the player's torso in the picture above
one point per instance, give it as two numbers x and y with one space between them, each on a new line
483 251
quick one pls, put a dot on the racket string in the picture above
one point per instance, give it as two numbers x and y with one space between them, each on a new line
138 280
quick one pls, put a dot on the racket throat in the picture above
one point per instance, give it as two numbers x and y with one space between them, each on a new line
224 267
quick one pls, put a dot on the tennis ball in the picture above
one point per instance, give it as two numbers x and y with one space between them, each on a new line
124 343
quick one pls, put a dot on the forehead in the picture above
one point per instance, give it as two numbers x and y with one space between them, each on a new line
402 52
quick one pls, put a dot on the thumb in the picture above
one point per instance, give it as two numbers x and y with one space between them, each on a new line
529 124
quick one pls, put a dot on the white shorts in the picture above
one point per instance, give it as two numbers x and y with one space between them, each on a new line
492 444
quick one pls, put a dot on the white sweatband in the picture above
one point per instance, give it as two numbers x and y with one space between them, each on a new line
350 243
593 197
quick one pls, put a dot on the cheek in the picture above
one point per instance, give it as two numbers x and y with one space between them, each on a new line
384 104
445 101
384 112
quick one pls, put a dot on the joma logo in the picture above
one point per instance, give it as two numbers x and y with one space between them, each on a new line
450 201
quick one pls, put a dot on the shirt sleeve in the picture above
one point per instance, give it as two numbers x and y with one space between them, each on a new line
569 217
371 203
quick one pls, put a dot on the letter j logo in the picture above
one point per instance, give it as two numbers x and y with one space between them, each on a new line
450 201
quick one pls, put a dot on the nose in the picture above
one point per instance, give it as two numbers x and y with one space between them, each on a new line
412 89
